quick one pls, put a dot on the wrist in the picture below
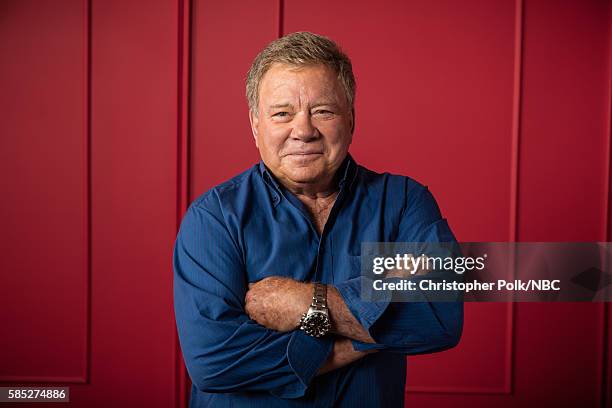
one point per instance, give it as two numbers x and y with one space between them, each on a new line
315 321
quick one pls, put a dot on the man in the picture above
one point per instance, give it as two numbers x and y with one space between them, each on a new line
267 266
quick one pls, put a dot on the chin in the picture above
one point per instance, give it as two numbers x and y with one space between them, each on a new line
304 175
304 172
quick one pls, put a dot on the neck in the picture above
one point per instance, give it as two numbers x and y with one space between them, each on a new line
324 188
319 190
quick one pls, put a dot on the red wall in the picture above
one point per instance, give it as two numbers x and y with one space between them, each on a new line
116 114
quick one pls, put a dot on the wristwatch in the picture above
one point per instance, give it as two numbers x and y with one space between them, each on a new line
315 322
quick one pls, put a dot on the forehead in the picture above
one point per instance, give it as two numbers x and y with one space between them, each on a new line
283 80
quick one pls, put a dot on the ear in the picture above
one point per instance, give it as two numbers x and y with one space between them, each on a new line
254 125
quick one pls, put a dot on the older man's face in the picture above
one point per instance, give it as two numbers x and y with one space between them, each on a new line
304 125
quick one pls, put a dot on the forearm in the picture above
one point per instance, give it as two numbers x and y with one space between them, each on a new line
342 355
278 303
343 321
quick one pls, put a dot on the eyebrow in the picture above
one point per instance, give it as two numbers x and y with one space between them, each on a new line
324 103
316 105
280 105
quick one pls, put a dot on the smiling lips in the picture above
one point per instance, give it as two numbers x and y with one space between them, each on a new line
303 153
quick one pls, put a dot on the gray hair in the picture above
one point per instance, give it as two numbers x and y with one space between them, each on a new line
300 49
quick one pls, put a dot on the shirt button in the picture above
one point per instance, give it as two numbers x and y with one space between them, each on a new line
275 199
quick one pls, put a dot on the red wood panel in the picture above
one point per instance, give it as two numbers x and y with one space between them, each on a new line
434 101
43 285
562 191
134 153
564 121
226 37
90 81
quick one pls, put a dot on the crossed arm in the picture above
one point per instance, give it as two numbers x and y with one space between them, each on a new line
278 302
237 337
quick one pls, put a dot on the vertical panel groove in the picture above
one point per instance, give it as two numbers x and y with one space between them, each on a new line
608 147
279 17
516 121
182 160
606 367
517 103
87 204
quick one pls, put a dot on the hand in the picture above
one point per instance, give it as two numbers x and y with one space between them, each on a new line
278 303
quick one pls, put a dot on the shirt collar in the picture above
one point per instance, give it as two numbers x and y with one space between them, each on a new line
348 169
267 175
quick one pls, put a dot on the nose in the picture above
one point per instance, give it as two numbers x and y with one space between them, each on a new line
303 128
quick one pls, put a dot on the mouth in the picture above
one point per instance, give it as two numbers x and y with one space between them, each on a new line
304 157
304 153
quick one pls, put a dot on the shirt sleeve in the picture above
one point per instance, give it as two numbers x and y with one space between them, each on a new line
409 327
224 350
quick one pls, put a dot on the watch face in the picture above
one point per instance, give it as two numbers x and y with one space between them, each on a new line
316 324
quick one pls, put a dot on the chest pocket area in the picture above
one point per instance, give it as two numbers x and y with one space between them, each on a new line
347 267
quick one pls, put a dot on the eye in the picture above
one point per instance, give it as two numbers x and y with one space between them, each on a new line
323 112
281 114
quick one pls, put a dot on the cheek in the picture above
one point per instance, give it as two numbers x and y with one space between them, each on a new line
336 137
336 130
274 137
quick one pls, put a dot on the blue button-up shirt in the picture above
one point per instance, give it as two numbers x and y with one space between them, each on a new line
251 227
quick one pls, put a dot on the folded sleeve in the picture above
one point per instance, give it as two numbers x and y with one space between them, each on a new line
415 327
224 350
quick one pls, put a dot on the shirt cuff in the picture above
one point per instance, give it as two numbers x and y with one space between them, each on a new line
361 346
306 354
